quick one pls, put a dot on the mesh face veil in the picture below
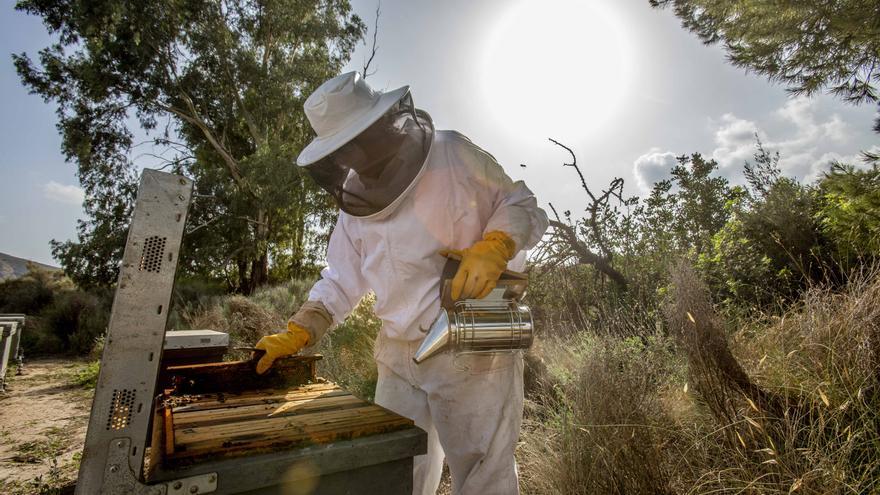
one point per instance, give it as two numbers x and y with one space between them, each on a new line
369 173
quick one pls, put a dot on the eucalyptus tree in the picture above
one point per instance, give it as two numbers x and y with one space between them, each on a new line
219 87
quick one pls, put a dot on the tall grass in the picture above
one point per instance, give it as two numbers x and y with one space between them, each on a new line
600 417
789 404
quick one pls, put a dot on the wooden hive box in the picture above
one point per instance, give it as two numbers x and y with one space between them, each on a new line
286 431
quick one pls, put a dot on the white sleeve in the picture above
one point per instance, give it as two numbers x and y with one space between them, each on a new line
341 285
517 213
514 208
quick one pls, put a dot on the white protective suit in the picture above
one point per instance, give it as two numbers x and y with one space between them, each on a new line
471 406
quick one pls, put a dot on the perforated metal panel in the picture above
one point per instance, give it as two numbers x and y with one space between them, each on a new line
121 408
154 249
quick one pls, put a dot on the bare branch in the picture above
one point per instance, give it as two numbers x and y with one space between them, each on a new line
167 163
575 166
553 208
565 237
586 256
218 217
366 70
205 224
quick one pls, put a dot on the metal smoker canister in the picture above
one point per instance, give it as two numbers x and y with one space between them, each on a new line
475 326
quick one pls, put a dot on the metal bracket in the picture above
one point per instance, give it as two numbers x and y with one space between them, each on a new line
119 479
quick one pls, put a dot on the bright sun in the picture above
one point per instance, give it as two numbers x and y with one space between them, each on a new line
556 67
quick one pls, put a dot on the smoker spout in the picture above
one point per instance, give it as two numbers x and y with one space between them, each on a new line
437 339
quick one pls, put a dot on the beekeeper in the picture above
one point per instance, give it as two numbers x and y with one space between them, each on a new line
407 192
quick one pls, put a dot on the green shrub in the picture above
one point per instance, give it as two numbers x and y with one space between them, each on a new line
736 268
850 210
348 351
32 292
87 376
76 319
771 248
61 318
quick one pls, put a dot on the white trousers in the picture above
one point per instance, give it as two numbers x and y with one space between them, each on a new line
471 407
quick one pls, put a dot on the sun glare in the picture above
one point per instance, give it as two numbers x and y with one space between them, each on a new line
556 67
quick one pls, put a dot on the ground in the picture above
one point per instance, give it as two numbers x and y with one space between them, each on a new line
43 417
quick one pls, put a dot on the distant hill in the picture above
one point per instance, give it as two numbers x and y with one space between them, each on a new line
13 267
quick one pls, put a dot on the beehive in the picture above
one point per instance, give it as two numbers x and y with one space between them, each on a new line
224 413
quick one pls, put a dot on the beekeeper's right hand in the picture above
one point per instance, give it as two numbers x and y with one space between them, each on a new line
481 265
280 345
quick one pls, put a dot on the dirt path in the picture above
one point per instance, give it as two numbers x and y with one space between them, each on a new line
43 418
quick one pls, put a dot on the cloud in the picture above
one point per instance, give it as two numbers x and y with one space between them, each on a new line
801 112
653 166
837 129
735 142
70 195
807 150
823 163
806 140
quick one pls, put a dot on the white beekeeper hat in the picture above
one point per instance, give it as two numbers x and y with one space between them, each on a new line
340 109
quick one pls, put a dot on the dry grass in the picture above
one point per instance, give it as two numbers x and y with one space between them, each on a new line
593 428
246 319
785 406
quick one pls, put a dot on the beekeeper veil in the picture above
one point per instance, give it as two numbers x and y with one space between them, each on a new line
370 146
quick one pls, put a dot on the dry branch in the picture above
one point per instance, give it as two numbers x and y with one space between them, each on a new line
366 69
565 236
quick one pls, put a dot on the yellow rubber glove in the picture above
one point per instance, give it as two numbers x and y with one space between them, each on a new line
281 345
481 265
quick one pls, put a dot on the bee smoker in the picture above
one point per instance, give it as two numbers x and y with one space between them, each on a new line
497 323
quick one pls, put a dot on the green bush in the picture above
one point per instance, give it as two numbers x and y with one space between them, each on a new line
61 318
850 210
32 292
772 247
348 351
87 376
76 319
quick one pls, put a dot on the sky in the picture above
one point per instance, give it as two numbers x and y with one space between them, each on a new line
620 83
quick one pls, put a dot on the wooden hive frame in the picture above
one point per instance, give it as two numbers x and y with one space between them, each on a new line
224 410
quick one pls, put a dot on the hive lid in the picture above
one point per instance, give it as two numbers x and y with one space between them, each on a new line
194 339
